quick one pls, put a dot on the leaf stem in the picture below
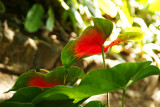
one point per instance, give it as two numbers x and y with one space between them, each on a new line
104 63
123 96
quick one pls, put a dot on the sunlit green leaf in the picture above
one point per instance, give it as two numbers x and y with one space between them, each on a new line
34 18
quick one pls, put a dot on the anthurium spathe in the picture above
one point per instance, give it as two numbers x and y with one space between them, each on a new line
89 43
56 77
92 40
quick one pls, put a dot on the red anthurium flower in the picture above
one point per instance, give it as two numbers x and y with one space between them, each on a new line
89 43
41 82
51 79
92 39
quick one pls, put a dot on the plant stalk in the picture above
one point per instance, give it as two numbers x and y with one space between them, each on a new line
104 63
123 96
65 75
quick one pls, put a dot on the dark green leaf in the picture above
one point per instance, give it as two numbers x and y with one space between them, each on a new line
94 104
34 18
2 7
25 95
14 104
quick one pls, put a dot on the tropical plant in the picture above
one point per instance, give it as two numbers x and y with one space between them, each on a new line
57 88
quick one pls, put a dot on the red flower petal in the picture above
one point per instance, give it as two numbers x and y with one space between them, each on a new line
89 44
40 82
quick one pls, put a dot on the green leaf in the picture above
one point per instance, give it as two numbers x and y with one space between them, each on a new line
53 78
15 104
102 81
34 18
50 20
89 43
2 7
133 33
25 95
94 104
130 34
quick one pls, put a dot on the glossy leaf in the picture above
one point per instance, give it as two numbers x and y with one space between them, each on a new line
89 43
34 18
53 78
102 81
94 104
50 20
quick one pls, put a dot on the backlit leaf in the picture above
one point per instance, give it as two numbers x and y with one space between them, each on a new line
131 34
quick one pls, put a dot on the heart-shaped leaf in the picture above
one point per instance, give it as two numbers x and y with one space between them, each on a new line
102 81
59 76
89 43
34 18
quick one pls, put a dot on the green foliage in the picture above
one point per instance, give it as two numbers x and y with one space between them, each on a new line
50 21
34 18
106 81
95 82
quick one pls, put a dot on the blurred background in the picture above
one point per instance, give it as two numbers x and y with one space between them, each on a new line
34 32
